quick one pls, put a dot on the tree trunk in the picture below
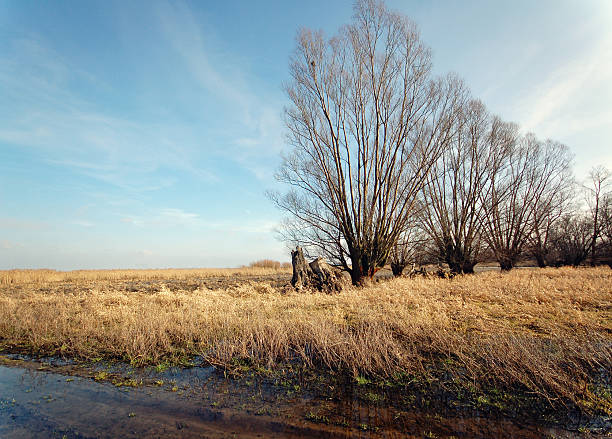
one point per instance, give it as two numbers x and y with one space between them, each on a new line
356 275
468 267
460 264
301 270
540 260
455 267
325 277
318 274
357 270
506 264
397 268
595 231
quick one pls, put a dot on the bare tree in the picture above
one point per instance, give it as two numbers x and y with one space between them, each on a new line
366 123
411 248
570 239
554 202
452 196
520 192
599 179
606 228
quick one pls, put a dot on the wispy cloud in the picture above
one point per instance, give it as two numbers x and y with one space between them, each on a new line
10 223
575 97
46 111
254 110
175 217
179 216
42 111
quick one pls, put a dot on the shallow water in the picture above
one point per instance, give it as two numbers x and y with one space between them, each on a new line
200 402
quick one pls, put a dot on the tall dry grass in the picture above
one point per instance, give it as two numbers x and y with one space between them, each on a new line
11 277
546 330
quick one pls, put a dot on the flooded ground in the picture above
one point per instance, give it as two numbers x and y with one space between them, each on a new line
63 400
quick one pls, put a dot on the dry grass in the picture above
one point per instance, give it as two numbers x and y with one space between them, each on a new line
547 330
8 277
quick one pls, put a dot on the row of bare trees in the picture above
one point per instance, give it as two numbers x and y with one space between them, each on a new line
553 221
581 235
389 162
493 189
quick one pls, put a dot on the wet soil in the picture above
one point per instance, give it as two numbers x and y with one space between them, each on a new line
56 398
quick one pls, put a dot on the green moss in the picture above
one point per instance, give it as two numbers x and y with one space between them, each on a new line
374 397
362 381
101 376
319 419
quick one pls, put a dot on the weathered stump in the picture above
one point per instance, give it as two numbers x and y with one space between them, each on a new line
301 270
317 275
326 277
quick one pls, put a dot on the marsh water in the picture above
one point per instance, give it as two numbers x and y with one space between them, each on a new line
42 400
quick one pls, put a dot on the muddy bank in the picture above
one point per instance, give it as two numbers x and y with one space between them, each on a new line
63 399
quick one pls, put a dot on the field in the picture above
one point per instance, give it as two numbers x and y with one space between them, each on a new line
542 332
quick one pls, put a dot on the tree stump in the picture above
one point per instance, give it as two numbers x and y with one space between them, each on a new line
318 274
326 277
301 270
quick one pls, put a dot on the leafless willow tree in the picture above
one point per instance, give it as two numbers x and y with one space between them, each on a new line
599 179
570 239
606 228
453 195
412 248
555 201
522 193
545 219
366 123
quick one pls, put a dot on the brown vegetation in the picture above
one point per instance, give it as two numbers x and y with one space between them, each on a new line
8 277
269 263
547 331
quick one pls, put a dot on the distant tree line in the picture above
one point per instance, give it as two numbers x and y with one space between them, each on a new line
390 164
569 225
270 263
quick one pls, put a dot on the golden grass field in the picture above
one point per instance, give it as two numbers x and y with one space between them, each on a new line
19 277
545 330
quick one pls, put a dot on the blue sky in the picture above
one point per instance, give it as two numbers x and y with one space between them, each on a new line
144 134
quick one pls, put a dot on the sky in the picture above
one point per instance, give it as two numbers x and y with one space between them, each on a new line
145 134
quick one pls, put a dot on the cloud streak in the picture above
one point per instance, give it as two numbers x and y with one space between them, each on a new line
43 113
174 217
255 115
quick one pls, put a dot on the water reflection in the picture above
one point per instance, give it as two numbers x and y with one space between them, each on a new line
200 402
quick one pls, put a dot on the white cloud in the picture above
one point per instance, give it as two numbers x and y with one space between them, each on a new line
572 104
179 217
552 107
46 112
576 95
